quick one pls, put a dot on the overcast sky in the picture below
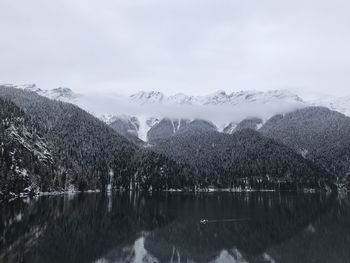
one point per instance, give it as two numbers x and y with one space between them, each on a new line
191 46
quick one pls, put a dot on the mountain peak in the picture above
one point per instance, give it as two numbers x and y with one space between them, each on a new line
219 97
32 87
147 97
29 87
180 98
219 93
62 93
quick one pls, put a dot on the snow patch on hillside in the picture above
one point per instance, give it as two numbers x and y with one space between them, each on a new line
340 104
35 145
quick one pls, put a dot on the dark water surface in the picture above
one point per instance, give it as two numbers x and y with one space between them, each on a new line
132 227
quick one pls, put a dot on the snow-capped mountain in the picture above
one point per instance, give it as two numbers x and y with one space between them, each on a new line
144 97
340 104
235 103
217 98
110 118
224 110
248 104
60 93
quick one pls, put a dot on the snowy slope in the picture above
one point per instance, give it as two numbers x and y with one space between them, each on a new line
60 93
216 98
340 104
31 142
24 152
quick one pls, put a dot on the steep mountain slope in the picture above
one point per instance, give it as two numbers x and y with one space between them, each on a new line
156 130
244 158
167 128
88 153
197 127
317 133
250 123
85 149
128 127
163 130
60 93
26 161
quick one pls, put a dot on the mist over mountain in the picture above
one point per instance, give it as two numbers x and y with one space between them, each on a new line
60 93
140 115
141 111
340 104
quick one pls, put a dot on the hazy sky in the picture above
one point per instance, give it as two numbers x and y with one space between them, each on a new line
192 46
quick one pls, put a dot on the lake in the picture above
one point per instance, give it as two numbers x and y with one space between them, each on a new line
176 227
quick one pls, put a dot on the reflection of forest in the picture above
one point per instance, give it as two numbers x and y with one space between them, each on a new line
160 228
326 239
271 219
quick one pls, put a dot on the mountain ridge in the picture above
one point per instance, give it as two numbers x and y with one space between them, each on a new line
136 126
217 98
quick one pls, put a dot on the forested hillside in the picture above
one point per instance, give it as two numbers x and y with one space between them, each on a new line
244 158
87 153
26 163
167 128
197 127
127 128
49 145
85 149
251 123
317 133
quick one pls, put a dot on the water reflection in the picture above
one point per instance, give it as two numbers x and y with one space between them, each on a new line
134 227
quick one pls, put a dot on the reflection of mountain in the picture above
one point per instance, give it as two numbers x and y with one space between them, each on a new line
327 239
268 221
78 230
126 228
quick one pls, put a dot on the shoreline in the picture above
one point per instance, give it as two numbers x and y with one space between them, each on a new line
13 196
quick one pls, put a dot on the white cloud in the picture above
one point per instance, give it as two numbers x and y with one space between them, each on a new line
220 115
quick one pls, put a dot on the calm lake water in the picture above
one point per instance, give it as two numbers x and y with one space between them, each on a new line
134 227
